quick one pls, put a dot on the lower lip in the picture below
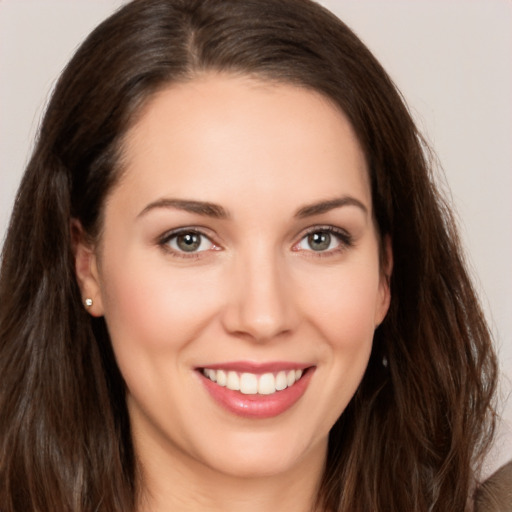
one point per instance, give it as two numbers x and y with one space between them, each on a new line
258 406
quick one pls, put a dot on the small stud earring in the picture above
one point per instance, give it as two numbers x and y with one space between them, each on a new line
88 302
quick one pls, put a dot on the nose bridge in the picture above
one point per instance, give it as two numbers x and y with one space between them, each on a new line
261 303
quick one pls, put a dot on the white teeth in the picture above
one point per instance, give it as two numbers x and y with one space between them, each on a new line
281 381
248 384
221 378
251 383
233 381
267 384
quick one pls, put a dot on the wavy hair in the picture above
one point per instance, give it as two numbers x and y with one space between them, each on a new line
413 435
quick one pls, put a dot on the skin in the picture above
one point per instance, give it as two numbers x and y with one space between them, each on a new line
255 290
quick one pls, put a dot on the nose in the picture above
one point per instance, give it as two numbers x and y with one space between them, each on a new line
260 304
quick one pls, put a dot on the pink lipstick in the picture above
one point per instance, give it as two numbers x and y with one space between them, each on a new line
255 390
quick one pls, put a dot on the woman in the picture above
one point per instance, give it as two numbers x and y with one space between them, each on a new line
230 282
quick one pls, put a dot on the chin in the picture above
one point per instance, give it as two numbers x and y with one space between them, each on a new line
267 455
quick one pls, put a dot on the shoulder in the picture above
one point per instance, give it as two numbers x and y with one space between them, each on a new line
495 494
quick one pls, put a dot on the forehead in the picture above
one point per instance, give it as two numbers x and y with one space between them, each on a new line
222 137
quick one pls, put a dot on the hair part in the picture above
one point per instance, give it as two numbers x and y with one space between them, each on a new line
414 433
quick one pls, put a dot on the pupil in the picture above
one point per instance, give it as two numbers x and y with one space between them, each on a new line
319 241
188 242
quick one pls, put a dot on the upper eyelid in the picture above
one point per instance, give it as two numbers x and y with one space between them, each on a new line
346 239
324 227
164 243
185 229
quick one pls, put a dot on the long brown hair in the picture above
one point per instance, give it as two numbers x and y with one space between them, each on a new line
413 435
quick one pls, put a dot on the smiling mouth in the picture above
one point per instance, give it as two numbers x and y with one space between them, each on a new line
254 384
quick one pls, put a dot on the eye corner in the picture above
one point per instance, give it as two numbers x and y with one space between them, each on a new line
329 240
187 242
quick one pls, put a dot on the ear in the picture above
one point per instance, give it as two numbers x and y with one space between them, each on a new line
86 269
384 295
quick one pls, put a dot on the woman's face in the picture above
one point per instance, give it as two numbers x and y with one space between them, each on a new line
239 247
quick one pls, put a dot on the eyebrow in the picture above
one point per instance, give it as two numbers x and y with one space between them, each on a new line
199 207
218 212
328 205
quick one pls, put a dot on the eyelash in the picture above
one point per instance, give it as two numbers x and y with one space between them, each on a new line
343 237
165 240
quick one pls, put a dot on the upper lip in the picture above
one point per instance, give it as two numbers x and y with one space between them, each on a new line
256 367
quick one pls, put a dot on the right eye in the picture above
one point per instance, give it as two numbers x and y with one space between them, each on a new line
186 242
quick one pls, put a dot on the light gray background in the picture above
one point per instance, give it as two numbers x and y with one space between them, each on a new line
451 60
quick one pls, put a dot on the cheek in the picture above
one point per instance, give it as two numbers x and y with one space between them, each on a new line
148 307
343 306
340 306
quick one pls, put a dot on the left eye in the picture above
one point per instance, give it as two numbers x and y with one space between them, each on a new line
189 242
321 240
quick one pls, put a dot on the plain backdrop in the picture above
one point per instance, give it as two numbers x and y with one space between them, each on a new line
451 59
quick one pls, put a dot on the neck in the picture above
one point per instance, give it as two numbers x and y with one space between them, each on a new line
181 484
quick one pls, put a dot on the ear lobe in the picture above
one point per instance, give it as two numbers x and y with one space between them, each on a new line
385 280
86 270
